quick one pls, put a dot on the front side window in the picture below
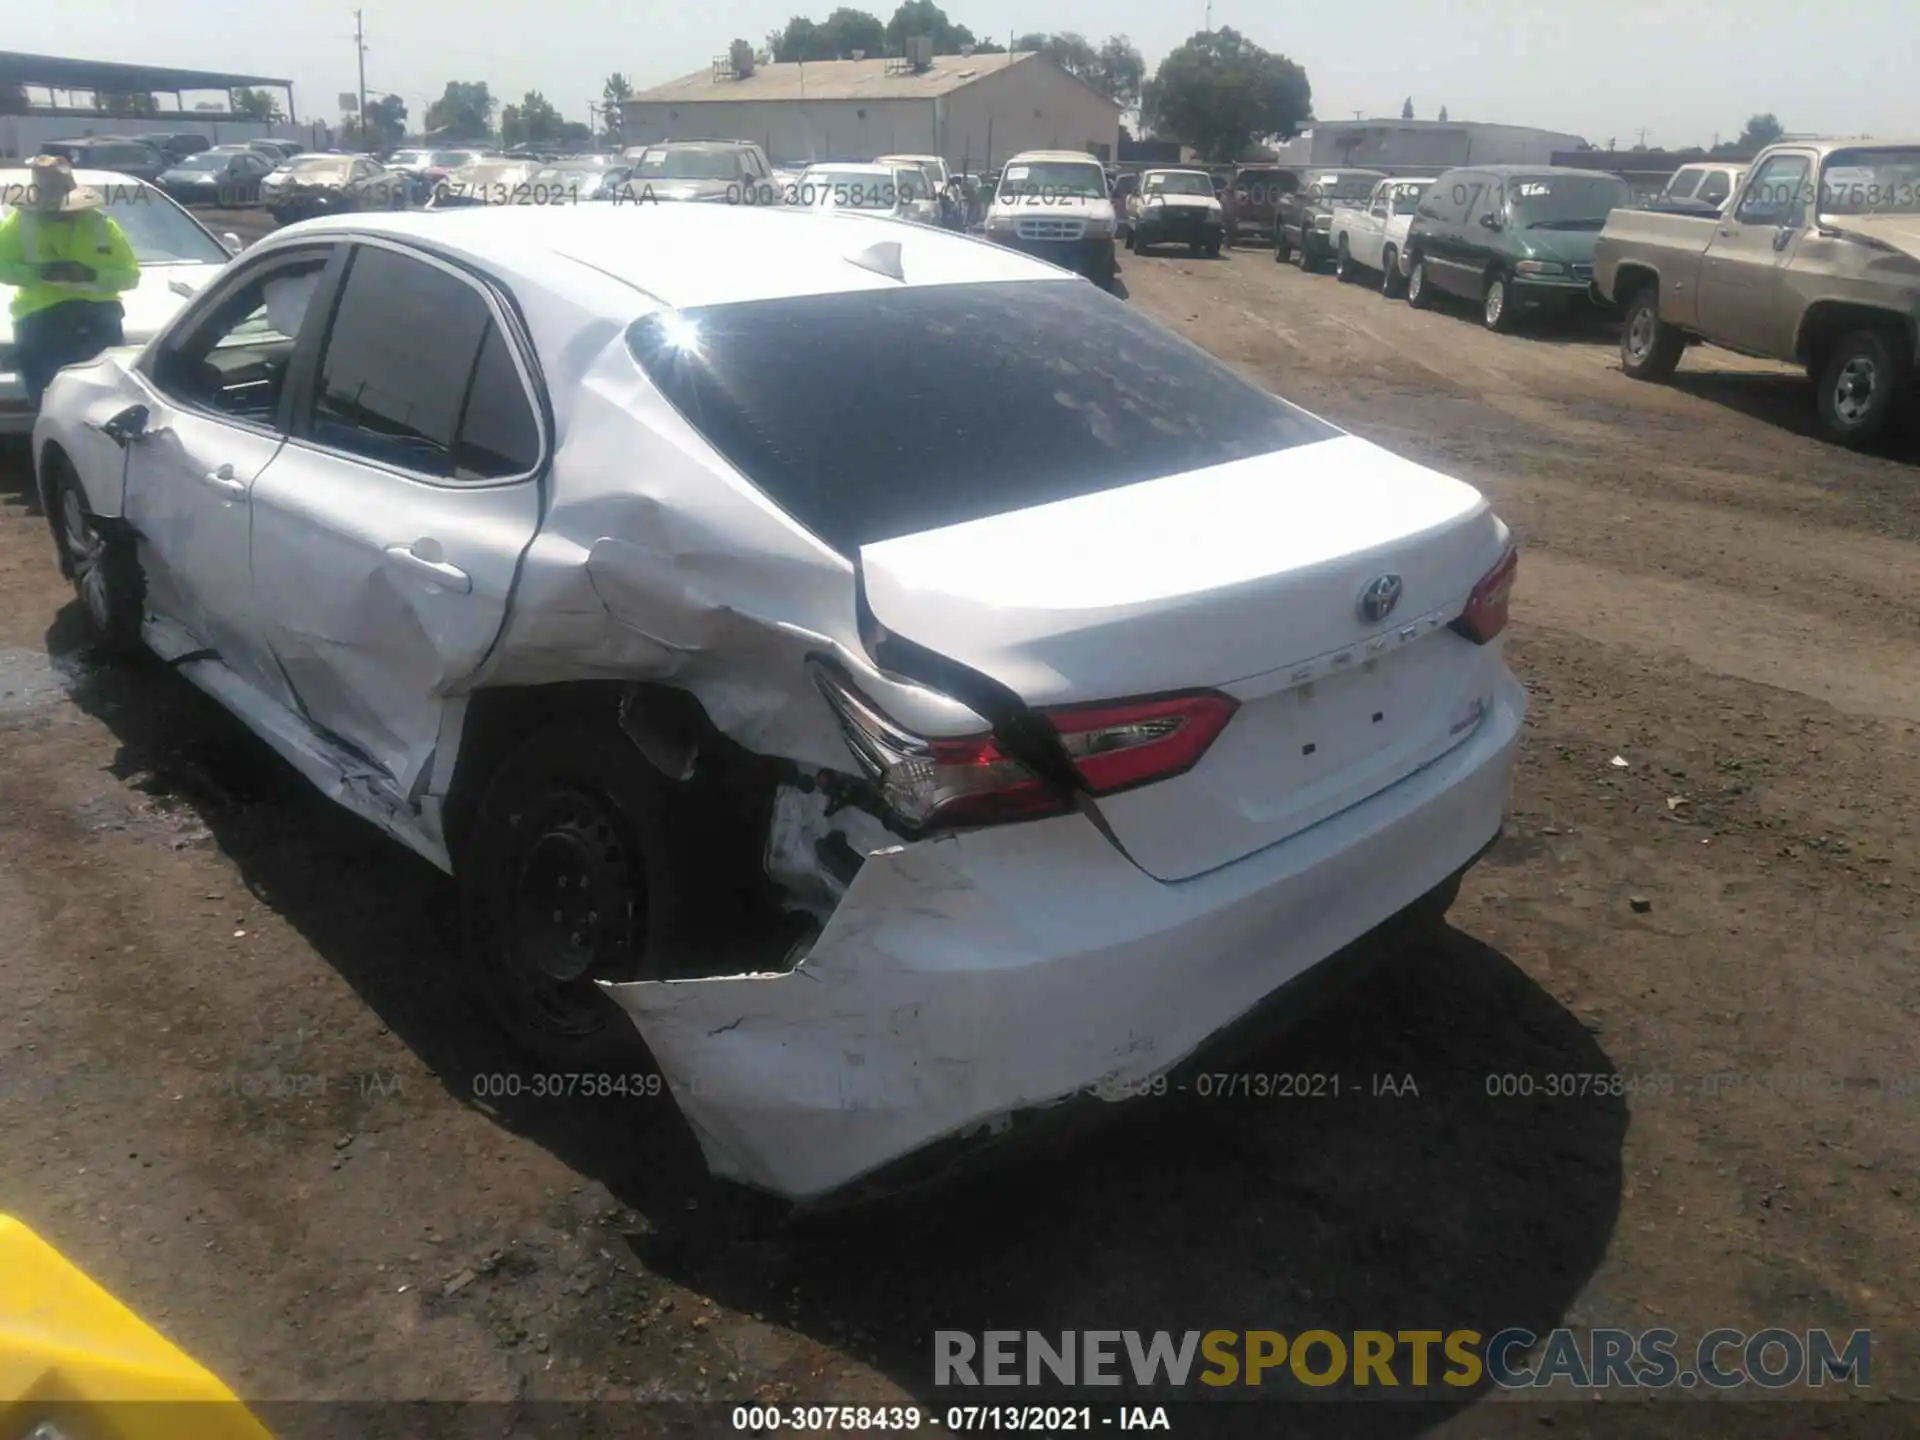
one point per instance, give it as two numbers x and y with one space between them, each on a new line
1035 391
1682 186
235 361
1778 194
412 375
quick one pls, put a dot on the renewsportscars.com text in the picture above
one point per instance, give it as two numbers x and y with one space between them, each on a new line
1378 1360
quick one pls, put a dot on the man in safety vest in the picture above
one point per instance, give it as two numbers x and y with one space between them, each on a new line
68 263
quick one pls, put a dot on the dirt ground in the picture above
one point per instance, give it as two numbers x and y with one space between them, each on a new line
237 1080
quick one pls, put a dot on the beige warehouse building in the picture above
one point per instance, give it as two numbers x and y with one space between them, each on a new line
972 110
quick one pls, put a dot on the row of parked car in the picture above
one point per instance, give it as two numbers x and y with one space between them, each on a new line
1810 254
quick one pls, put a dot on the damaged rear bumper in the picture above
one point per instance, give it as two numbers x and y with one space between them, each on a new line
967 979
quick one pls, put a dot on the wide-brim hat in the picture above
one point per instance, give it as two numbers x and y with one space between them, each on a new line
55 172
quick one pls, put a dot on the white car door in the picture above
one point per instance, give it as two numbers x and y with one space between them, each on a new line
387 535
217 420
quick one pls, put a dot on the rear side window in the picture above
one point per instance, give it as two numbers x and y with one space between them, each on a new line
933 405
416 375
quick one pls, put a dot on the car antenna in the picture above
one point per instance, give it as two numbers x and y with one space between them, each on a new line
882 258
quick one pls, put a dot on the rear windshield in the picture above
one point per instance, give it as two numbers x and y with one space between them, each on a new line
934 405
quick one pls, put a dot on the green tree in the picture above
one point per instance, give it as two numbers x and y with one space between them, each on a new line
740 55
464 111
837 37
1443 114
1219 91
1406 108
923 17
260 105
1760 132
614 95
533 121
386 122
1116 69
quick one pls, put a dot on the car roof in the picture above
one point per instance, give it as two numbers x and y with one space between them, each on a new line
1508 172
905 155
682 255
1175 170
883 167
1080 155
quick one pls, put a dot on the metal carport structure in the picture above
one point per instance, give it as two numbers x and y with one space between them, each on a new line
53 72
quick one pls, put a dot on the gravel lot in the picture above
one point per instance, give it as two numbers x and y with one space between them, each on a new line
237 1086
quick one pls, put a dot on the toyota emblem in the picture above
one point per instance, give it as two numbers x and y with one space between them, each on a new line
1379 598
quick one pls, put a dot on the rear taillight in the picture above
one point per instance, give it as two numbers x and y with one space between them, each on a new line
973 781
1486 612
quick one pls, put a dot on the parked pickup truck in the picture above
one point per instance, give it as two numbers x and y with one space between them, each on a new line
1372 238
1817 261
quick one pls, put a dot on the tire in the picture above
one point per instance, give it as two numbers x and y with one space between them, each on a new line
573 826
1497 310
1419 290
1196 248
1344 269
1650 349
100 557
1282 252
1303 257
1212 249
1133 242
1866 380
1392 283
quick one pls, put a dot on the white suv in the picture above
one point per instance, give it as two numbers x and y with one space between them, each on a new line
1054 204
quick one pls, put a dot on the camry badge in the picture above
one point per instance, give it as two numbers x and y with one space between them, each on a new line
1379 598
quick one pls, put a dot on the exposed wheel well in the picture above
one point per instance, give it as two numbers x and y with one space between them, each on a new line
668 725
1630 280
1825 323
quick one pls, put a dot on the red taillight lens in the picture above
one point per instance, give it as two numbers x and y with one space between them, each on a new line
1116 747
1486 612
972 781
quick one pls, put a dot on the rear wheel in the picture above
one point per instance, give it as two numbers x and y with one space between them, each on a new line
1866 379
1392 283
567 881
1419 295
1282 251
1650 348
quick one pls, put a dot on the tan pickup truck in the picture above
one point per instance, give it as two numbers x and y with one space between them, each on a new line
1816 260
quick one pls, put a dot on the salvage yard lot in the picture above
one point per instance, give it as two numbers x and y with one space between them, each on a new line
238 1082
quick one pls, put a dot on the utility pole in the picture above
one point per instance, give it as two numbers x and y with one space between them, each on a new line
360 50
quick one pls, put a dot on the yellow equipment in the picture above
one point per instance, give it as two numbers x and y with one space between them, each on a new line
76 1364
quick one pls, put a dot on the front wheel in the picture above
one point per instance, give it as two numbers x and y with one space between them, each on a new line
1419 295
1862 386
100 558
567 880
1344 269
1650 348
1497 310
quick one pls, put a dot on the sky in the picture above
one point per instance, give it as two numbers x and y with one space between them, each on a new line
1683 72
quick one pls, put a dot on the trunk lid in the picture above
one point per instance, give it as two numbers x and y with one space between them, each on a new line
1249 578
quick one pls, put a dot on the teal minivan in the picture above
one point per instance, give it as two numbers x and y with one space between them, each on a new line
1515 239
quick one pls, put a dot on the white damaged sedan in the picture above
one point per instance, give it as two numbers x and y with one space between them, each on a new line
893 792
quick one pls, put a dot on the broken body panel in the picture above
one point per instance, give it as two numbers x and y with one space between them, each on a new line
958 977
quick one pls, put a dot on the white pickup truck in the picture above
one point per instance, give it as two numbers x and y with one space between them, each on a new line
1372 238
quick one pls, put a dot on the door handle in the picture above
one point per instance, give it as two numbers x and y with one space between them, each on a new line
448 577
223 480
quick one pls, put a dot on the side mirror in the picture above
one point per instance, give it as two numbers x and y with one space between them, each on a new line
233 243
126 427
